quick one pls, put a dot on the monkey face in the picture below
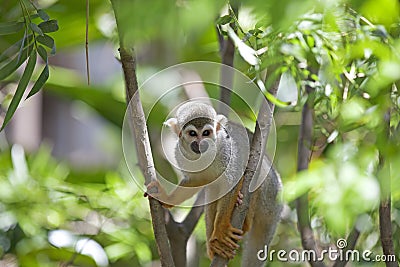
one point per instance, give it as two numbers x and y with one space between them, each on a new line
198 138
197 127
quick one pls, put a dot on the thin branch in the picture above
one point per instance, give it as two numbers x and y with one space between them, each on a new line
227 51
304 154
179 233
257 150
351 243
195 213
87 43
385 216
227 55
139 128
385 227
144 154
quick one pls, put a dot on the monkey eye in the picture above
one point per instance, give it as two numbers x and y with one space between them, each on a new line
206 133
192 133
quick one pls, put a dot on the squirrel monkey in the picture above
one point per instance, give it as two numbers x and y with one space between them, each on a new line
213 153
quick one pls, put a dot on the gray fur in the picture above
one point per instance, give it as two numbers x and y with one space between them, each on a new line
232 150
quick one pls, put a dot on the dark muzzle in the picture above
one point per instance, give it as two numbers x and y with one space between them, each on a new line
196 148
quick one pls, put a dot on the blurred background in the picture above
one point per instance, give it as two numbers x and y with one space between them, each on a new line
66 196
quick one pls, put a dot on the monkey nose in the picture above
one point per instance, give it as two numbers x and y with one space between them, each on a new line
195 147
203 146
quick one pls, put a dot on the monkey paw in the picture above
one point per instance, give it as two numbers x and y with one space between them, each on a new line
154 190
224 243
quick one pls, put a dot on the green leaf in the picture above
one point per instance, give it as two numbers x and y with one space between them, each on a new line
46 40
275 101
10 27
33 16
43 77
247 52
36 28
10 67
42 53
23 83
224 20
255 32
49 26
54 256
13 49
43 15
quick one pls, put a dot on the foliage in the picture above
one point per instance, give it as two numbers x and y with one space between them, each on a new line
39 196
36 24
346 63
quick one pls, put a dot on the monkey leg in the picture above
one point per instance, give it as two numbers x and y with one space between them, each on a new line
223 242
210 211
224 237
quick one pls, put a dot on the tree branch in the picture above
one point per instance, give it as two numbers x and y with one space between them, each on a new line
227 51
304 155
351 243
195 213
179 233
385 228
385 216
144 154
139 128
87 42
257 149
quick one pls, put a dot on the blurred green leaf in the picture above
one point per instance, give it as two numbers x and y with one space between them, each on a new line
247 52
381 12
224 20
10 27
103 102
275 100
13 49
11 66
43 77
118 250
23 83
57 255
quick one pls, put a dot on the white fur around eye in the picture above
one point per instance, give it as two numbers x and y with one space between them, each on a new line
190 128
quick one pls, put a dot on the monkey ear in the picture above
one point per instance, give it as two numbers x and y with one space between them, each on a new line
172 123
221 121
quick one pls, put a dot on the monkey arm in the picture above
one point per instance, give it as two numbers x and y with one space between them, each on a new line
184 191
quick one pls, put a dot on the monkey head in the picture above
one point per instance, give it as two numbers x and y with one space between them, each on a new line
196 124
